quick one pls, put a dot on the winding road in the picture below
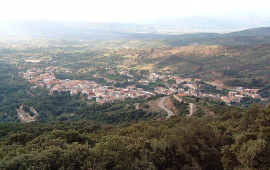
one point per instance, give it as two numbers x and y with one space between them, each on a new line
160 104
192 107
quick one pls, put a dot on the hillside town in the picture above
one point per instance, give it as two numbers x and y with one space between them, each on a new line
45 78
193 88
91 89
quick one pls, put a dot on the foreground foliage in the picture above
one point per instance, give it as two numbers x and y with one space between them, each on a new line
235 139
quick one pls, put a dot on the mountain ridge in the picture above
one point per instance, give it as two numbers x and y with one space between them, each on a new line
44 28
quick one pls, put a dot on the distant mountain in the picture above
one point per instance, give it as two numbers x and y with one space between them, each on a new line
212 24
84 30
43 28
250 32
113 26
245 37
263 31
106 31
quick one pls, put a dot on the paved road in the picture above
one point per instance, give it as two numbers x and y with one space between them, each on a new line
191 106
177 98
192 109
160 104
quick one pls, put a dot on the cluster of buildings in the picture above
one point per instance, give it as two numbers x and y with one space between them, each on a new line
171 88
102 94
250 91
193 88
238 96
153 77
90 89
167 91
39 78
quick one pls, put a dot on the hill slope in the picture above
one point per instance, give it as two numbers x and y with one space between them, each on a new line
200 61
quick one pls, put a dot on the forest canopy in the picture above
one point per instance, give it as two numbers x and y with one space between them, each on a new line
238 139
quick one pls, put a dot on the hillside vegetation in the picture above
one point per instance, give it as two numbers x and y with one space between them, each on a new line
199 61
239 139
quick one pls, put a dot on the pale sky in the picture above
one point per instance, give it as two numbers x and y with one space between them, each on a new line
127 10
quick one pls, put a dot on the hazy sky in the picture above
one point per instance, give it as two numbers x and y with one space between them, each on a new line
127 10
